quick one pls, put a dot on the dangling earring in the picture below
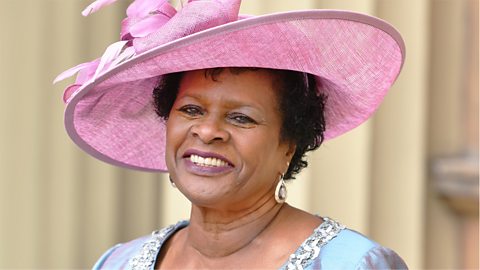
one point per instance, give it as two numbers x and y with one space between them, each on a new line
281 191
171 182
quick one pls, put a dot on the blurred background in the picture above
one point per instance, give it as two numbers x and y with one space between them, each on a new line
408 178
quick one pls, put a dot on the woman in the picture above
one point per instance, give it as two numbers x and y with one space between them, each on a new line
229 106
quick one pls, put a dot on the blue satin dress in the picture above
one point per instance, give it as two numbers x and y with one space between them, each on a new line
331 246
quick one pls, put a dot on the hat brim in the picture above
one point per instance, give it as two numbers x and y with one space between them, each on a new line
355 58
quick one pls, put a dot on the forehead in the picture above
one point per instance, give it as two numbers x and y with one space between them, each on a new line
231 85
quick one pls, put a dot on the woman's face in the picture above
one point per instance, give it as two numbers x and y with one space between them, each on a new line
223 139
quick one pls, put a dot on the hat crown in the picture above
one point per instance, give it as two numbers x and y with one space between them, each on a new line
194 17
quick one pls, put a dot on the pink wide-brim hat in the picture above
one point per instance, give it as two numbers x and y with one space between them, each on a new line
109 110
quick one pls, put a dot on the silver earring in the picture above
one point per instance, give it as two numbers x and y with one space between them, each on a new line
281 191
171 182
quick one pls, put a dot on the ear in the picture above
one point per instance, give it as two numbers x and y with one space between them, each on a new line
290 151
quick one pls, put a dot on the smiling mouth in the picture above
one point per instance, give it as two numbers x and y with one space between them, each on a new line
208 161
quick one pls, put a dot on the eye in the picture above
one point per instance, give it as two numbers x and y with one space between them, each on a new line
191 110
241 119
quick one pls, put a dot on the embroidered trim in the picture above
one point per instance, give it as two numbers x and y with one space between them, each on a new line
304 256
310 248
146 257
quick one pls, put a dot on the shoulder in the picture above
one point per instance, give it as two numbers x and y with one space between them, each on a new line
352 250
119 256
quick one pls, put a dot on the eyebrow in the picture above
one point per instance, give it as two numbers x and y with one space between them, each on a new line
230 103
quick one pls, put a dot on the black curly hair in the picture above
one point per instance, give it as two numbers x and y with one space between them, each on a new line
301 107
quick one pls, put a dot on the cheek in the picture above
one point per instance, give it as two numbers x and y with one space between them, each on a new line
176 128
259 149
175 135
170 130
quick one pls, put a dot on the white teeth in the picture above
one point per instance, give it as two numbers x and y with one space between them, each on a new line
209 161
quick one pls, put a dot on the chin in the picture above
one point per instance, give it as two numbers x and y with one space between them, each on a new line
218 200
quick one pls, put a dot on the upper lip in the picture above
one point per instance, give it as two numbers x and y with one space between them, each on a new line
190 152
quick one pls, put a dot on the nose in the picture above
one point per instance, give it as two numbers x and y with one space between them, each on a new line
210 130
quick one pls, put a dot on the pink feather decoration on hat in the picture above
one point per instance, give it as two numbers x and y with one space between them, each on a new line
96 6
143 18
144 28
146 16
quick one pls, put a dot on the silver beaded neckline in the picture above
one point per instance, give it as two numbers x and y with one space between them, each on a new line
310 248
304 256
145 258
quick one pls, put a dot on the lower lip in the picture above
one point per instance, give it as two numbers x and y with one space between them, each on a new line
205 170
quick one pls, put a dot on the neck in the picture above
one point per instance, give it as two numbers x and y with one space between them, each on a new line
219 233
